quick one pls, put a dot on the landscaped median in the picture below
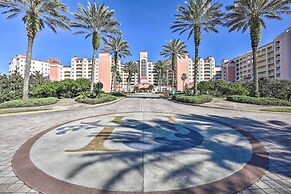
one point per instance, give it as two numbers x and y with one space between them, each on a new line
259 101
98 100
192 99
32 102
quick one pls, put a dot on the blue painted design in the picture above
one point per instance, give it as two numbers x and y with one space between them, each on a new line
169 138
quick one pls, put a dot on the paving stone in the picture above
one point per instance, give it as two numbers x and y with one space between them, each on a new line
273 184
13 188
24 188
17 129
258 191
262 185
284 183
283 191
270 191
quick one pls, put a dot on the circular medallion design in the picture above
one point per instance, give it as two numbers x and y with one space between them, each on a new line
140 152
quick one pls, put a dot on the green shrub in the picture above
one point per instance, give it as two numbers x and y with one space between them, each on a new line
192 99
45 90
118 94
29 103
10 87
259 101
270 88
102 99
221 88
62 89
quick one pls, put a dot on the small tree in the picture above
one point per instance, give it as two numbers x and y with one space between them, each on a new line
183 78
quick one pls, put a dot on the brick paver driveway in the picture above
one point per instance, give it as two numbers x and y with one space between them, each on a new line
271 129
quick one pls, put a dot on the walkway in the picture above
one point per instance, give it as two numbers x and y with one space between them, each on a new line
271 129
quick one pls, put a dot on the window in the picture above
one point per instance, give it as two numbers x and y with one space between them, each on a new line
143 68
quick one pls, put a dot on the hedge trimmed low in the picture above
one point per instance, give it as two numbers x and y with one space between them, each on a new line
259 101
29 103
103 99
192 99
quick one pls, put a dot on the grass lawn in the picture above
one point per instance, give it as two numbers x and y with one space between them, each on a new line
288 110
20 110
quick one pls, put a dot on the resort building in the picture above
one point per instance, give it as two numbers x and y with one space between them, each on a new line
145 77
228 69
206 70
82 68
274 60
18 62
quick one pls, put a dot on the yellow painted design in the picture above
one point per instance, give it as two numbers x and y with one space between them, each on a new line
97 144
117 119
171 120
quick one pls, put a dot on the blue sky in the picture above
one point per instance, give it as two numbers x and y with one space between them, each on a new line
145 25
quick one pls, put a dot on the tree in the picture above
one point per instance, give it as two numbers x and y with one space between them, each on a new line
119 49
161 70
96 21
183 78
37 78
131 69
37 14
174 49
196 16
250 14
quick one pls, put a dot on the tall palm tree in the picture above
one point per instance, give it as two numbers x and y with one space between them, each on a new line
174 49
131 69
183 78
250 14
96 21
36 15
198 15
161 69
119 49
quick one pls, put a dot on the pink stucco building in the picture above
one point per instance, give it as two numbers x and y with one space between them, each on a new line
182 67
104 70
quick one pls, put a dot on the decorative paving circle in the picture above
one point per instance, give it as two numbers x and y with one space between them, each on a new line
141 153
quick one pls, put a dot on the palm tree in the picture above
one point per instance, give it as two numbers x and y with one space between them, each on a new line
198 15
36 15
161 68
183 78
131 69
119 48
96 21
250 14
174 49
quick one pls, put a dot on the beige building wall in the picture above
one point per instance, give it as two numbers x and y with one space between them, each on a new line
274 60
18 63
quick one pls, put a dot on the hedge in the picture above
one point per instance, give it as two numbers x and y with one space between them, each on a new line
103 99
192 99
259 101
29 103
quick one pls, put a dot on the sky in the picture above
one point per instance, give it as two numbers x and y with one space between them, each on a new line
145 25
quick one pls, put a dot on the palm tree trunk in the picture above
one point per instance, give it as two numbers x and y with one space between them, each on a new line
255 31
128 84
197 36
93 73
27 68
115 71
174 63
167 77
183 86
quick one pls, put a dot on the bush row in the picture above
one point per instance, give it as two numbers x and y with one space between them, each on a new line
259 101
221 88
270 88
29 103
62 89
192 99
102 99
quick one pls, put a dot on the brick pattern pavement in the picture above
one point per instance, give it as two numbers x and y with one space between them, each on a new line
272 129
